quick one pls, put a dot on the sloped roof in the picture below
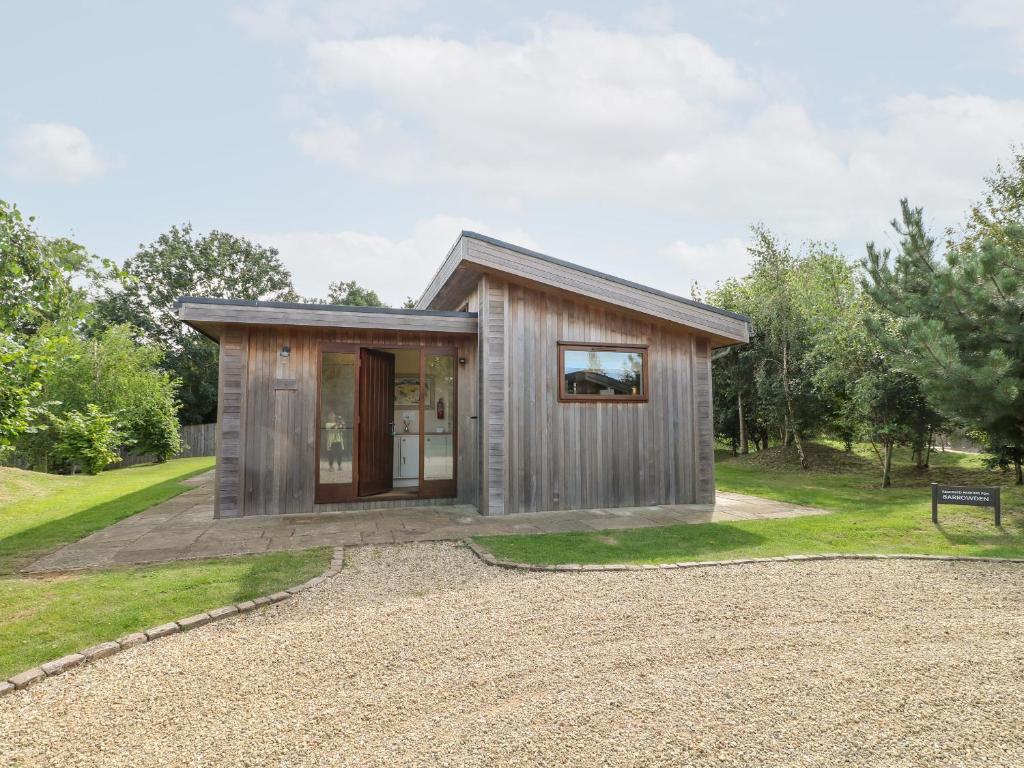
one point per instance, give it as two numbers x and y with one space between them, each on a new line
474 253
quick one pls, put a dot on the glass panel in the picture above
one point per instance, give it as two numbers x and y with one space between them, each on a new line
602 373
337 416
438 406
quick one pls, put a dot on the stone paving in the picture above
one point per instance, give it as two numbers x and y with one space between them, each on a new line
183 528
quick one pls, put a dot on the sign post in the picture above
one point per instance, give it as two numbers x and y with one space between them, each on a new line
966 495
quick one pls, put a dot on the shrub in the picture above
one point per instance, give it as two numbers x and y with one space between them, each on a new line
88 440
154 428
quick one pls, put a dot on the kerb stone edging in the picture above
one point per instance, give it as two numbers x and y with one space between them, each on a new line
102 650
489 558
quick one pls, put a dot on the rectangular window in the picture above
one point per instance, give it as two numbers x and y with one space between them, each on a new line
602 373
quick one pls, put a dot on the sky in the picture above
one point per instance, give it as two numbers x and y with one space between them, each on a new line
643 140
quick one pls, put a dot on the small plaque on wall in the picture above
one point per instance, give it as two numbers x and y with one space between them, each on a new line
285 384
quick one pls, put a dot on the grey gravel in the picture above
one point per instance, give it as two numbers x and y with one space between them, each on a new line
422 655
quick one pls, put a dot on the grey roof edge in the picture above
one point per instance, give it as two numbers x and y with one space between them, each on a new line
440 267
182 300
597 273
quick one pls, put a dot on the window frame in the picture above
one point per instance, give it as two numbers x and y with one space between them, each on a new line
585 346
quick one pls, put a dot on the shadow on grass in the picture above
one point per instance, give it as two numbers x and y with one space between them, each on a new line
25 546
272 571
660 544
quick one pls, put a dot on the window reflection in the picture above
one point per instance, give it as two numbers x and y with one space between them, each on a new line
597 373
337 416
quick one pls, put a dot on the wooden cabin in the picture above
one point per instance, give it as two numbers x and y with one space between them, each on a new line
519 383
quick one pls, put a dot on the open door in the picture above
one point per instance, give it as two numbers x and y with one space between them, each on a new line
376 414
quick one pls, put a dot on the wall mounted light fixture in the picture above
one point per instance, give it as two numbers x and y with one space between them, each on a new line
286 350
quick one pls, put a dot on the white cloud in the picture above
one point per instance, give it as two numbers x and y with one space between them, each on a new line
394 268
704 264
577 112
54 152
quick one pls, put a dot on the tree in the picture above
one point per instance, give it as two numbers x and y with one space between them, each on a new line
180 263
38 301
121 378
891 408
960 321
87 440
775 371
351 294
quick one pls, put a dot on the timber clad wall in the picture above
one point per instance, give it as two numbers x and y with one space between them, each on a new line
276 434
234 345
585 455
518 448
492 296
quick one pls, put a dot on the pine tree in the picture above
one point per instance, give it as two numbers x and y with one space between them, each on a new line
959 322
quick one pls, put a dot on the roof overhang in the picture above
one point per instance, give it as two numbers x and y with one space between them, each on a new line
209 316
474 254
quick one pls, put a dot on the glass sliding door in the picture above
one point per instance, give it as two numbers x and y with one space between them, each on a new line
336 426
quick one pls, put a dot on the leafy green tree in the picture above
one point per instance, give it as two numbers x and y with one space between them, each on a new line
38 301
123 379
959 321
774 374
351 294
180 263
892 409
87 440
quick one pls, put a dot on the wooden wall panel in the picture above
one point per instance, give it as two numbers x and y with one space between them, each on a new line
586 455
492 297
231 399
276 443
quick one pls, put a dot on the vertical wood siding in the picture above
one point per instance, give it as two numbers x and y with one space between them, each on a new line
585 455
267 447
231 402
492 297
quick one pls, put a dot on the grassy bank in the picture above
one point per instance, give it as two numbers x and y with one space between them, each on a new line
40 513
865 518
44 618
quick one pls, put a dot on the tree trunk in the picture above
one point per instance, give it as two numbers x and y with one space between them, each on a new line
790 420
928 450
1017 469
887 466
744 446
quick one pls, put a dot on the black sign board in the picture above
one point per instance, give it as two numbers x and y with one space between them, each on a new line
966 495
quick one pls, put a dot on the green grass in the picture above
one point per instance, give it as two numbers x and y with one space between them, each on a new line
40 513
43 619
866 517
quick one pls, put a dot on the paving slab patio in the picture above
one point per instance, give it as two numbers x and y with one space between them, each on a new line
184 528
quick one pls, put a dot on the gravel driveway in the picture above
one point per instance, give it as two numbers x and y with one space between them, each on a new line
420 655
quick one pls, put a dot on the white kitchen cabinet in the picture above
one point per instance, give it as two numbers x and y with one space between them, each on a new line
407 457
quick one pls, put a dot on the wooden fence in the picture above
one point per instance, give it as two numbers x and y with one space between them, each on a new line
196 440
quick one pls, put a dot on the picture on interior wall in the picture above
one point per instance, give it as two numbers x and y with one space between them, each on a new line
407 391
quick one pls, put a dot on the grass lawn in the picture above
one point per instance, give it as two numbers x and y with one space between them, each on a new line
40 513
44 618
866 517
